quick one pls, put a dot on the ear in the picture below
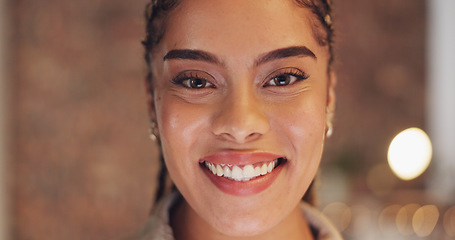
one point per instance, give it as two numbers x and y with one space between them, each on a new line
331 97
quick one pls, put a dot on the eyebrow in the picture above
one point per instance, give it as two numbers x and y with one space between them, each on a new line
199 55
294 51
189 54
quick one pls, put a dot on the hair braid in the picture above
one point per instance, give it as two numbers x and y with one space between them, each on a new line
159 193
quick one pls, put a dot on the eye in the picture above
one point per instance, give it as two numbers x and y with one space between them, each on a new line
196 83
194 80
283 80
284 77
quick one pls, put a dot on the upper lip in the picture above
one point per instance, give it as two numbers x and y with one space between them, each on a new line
236 158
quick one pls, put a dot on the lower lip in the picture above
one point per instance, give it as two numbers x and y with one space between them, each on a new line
241 188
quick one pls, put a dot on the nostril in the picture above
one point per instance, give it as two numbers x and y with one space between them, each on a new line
243 119
239 137
225 136
253 136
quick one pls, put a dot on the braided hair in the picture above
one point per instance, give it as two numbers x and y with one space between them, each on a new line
156 15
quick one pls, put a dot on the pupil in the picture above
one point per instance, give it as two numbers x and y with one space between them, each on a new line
282 80
197 83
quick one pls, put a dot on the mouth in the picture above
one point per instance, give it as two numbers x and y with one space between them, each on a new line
243 173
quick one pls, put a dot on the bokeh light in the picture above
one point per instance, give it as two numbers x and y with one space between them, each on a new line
362 222
424 220
339 213
410 153
387 220
404 218
449 222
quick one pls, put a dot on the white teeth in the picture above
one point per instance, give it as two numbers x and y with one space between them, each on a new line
270 167
257 171
213 168
227 172
248 171
237 173
219 171
264 169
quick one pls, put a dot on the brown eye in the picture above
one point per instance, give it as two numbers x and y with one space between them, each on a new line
194 79
284 77
196 83
283 80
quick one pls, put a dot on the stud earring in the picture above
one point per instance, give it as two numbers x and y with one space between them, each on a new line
328 130
329 123
153 131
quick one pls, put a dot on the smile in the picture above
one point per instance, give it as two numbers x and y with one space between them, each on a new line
242 173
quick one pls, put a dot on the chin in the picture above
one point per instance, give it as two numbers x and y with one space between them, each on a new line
244 227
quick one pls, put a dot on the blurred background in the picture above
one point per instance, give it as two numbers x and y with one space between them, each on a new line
76 161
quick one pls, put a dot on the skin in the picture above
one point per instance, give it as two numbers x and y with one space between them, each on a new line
241 113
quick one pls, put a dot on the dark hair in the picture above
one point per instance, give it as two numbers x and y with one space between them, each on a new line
156 15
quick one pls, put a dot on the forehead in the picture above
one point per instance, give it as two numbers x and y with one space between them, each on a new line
240 28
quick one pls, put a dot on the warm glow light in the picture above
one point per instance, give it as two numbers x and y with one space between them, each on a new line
410 153
387 220
425 220
449 222
404 218
339 213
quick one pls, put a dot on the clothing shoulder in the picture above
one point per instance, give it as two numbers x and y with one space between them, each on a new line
325 230
157 226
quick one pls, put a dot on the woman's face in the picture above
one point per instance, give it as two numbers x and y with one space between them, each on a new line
238 87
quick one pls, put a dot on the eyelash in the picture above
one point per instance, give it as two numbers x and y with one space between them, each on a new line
298 74
185 76
292 75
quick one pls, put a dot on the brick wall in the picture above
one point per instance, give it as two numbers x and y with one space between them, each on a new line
83 166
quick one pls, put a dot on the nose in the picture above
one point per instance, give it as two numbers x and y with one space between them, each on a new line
241 117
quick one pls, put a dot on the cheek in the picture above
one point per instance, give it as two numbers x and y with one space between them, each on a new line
176 125
301 128
181 128
302 121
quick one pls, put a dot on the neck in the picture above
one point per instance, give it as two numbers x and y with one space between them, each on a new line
188 225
